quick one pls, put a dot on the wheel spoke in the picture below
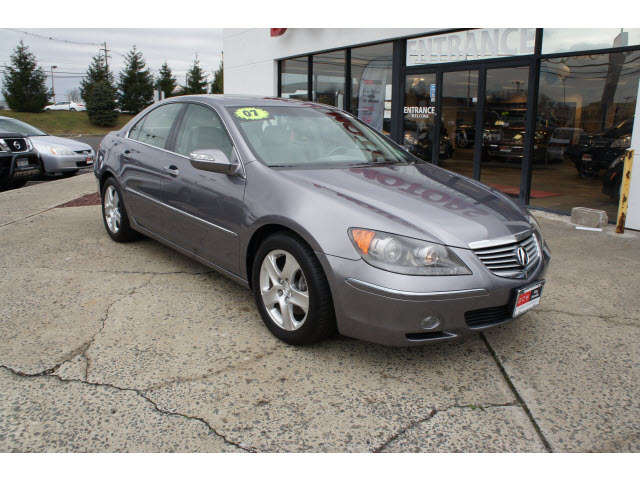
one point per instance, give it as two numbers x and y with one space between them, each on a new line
290 267
270 265
287 317
300 299
270 297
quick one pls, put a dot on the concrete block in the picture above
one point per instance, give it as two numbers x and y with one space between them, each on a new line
589 217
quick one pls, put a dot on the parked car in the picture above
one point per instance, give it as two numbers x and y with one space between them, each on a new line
58 154
561 139
332 225
18 161
596 151
417 141
68 106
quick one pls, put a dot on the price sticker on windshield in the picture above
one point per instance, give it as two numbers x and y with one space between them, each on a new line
251 113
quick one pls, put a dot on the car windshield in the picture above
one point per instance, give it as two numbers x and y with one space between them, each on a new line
304 136
20 127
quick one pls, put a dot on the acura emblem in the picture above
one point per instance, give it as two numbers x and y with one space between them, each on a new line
523 256
17 145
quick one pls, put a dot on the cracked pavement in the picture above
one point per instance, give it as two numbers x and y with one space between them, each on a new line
134 348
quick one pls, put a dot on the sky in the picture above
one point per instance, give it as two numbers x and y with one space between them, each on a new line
72 49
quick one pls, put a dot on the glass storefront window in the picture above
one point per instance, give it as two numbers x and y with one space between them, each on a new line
586 109
328 78
420 115
294 79
559 40
371 74
458 129
504 128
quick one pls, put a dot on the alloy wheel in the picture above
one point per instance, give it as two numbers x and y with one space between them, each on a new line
112 212
284 290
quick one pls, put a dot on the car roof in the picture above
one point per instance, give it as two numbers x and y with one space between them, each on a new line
248 101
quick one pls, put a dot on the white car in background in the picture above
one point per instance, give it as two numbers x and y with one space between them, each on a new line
58 154
68 106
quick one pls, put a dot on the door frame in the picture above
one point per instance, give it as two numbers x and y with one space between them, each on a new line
481 66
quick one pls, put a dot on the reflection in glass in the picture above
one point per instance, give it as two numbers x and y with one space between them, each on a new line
504 128
586 108
371 74
294 80
558 40
458 129
419 115
328 78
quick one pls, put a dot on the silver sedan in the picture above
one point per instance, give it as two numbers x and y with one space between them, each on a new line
58 154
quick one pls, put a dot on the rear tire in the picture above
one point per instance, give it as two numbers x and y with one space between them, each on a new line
291 291
72 109
114 213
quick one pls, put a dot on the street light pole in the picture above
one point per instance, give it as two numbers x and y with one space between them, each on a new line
53 88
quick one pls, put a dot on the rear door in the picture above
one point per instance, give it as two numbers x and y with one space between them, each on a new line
205 208
143 162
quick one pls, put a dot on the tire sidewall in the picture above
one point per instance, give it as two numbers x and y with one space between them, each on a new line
310 331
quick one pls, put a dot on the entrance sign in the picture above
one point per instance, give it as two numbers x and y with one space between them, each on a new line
471 45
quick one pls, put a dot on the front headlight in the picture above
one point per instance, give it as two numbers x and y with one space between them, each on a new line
3 146
60 150
409 256
615 163
624 142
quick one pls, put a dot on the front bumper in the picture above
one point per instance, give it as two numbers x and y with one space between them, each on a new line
66 163
388 308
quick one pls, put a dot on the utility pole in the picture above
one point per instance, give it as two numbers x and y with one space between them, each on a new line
53 88
106 56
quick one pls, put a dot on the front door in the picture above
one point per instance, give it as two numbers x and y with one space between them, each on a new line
470 121
205 208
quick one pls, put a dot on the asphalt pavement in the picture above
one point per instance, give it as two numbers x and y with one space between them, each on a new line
133 347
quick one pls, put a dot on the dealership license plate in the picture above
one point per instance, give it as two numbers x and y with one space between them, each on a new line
586 158
89 161
505 149
527 298
22 163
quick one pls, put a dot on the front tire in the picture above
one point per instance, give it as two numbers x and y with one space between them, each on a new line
72 109
114 213
291 291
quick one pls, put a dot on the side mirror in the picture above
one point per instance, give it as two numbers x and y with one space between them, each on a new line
212 160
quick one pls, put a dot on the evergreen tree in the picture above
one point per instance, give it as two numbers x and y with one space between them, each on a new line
136 84
24 86
217 86
101 104
97 72
166 82
196 80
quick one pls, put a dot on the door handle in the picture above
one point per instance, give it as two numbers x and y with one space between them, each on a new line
172 170
127 154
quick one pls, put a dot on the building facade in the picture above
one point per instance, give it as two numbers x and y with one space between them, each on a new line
540 114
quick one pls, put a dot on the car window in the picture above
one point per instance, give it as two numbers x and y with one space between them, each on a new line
155 127
201 129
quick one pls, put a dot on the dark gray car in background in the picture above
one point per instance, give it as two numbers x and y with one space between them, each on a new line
333 226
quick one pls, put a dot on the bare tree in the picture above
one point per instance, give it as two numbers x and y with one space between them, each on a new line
74 95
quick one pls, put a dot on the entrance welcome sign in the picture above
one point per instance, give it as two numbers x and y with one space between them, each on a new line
471 45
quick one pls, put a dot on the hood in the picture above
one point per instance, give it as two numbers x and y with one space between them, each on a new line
46 140
432 202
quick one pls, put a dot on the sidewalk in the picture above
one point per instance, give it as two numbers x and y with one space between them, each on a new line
133 347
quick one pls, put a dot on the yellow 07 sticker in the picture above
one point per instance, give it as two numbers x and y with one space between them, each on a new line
251 113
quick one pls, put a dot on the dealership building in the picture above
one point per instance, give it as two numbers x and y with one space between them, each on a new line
540 114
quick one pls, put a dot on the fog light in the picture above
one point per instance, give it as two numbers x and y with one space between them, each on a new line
430 322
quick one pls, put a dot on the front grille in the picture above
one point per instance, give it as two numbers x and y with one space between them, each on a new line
16 144
488 316
500 256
